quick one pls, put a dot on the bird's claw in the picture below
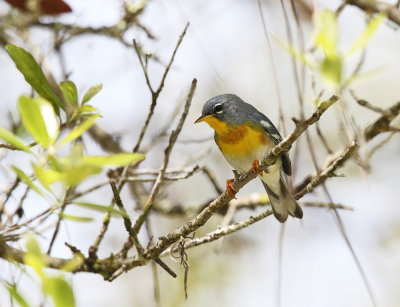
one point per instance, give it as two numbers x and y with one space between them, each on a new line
230 188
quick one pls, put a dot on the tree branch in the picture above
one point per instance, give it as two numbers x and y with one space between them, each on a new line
172 237
390 10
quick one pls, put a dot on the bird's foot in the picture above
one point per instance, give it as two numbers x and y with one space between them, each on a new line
256 168
230 188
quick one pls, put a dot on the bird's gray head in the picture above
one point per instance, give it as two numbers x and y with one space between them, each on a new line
227 108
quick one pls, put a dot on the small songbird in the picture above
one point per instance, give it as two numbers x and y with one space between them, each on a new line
244 135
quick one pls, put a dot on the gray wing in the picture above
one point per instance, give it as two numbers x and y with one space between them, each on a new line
276 137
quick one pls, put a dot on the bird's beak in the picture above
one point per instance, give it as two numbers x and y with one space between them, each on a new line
202 119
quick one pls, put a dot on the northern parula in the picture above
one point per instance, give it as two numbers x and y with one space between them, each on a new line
244 135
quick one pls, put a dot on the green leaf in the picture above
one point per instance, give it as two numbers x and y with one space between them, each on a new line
70 92
120 159
60 291
100 208
362 76
32 247
83 111
33 74
34 257
77 173
331 69
327 32
39 119
91 93
71 170
47 176
14 140
79 130
302 57
86 109
28 181
365 36
12 289
82 219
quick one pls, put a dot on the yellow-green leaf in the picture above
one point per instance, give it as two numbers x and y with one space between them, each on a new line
77 173
83 111
79 130
327 32
82 219
365 36
13 140
12 289
120 159
33 74
302 57
33 247
33 256
91 93
100 208
362 76
331 69
60 291
39 120
47 176
70 92
86 109
28 181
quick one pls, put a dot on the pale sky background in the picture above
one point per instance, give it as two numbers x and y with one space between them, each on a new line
226 39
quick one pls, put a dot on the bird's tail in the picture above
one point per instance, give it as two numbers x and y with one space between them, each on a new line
282 201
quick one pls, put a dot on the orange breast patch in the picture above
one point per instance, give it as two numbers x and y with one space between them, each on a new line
239 141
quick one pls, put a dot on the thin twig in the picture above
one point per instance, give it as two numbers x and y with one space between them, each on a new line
211 176
167 152
8 194
350 246
365 103
19 211
155 93
60 218
223 231
368 6
127 222
320 177
273 68
156 280
323 139
376 147
269 159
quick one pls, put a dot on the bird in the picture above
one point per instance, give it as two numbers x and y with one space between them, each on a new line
244 135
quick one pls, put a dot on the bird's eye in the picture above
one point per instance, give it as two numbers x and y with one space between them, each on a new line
218 108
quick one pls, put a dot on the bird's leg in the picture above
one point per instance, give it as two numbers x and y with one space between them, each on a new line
230 188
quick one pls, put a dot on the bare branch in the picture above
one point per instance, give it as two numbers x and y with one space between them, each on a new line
378 7
223 231
155 93
365 103
8 194
172 237
329 171
167 152
382 124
